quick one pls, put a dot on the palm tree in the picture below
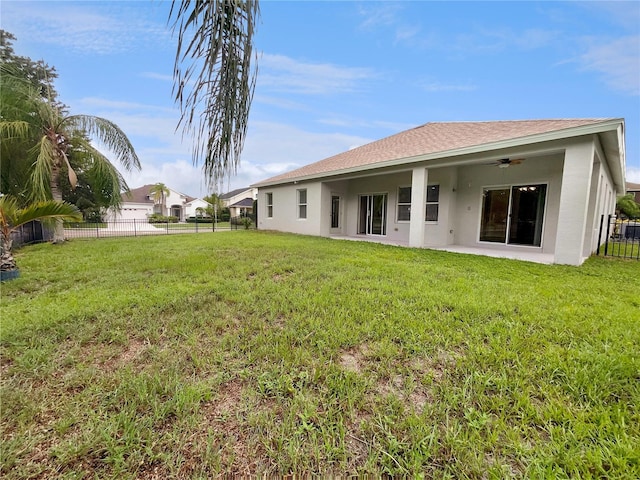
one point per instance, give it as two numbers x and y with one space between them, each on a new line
158 192
46 138
13 217
215 90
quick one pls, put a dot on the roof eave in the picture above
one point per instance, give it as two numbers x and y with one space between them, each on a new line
591 129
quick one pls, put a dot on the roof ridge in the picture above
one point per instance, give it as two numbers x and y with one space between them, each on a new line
438 138
567 119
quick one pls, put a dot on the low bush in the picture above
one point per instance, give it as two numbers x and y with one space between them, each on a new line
199 220
157 218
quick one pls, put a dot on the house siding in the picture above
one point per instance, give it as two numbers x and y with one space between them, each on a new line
285 209
582 175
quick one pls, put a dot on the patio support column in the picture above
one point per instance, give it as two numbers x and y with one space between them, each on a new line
419 178
574 202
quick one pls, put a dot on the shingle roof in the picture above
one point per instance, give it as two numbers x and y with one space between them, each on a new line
141 195
138 195
432 138
233 193
245 202
633 187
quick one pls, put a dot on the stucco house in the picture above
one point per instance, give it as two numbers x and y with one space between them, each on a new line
634 189
528 189
139 204
240 201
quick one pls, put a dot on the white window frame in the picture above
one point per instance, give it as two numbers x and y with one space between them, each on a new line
302 206
427 203
403 204
432 202
269 204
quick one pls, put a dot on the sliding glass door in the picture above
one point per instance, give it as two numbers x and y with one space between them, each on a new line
513 215
373 214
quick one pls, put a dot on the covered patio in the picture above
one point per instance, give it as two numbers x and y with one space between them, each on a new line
523 255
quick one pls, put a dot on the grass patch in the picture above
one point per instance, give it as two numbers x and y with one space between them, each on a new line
269 354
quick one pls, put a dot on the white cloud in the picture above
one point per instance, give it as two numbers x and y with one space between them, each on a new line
284 74
526 39
619 62
97 102
625 14
179 175
85 27
359 123
633 174
269 142
376 15
279 102
157 76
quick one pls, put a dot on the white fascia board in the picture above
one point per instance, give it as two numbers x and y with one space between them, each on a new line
591 129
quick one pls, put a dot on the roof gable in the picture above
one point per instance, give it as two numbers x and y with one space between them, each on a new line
141 195
245 202
432 138
233 193
138 195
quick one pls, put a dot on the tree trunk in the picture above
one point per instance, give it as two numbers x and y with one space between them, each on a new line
56 194
7 262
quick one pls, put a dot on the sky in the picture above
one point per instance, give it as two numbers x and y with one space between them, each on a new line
334 75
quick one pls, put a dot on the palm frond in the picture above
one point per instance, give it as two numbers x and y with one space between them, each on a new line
42 170
12 216
107 182
216 88
11 130
109 134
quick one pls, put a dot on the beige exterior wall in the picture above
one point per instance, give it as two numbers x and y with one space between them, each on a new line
579 190
285 209
249 193
141 211
472 180
131 211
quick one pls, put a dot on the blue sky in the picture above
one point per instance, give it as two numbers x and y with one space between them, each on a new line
335 75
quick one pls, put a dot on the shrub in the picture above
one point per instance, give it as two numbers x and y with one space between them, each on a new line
246 222
157 218
93 216
224 215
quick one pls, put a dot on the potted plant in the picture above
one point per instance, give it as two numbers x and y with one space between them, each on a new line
13 217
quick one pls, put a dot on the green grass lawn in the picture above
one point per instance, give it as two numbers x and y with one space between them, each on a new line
268 354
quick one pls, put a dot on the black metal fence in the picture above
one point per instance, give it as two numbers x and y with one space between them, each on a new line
619 237
142 227
31 232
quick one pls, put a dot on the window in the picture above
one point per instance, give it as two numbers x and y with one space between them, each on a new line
404 204
513 215
269 202
302 203
433 198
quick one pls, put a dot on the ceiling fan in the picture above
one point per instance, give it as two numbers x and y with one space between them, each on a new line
506 162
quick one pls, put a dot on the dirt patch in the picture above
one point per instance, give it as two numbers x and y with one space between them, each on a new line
131 352
227 402
354 358
349 362
279 276
223 417
437 365
396 386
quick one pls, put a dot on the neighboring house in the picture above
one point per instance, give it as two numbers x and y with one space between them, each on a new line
240 201
139 204
530 189
634 189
